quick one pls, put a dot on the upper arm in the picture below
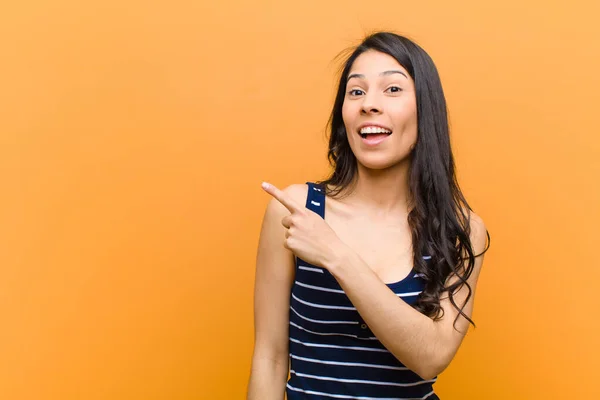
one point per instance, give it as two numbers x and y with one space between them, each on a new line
453 325
273 282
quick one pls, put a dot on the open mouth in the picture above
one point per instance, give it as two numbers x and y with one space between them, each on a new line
374 132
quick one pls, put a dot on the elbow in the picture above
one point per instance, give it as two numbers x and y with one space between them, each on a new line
432 368
429 373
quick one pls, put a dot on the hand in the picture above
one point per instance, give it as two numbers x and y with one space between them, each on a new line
307 235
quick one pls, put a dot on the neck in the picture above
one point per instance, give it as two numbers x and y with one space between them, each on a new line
383 191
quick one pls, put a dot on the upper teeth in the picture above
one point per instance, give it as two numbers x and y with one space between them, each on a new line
373 129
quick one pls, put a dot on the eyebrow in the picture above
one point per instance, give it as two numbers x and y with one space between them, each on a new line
384 73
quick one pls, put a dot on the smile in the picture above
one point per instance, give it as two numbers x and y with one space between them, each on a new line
373 130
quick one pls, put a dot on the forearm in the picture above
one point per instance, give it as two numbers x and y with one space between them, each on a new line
267 380
412 337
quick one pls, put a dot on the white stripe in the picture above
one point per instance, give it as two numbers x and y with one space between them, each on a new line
318 321
332 346
331 334
317 189
328 378
322 305
426 257
320 288
315 203
348 364
342 396
310 269
408 294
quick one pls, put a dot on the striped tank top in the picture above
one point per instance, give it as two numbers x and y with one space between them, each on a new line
333 353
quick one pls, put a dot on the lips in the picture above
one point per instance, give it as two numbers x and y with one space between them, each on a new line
375 139
370 129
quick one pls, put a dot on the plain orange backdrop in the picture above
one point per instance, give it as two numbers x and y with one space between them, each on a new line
134 137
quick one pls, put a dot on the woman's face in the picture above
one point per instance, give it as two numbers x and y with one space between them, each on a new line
380 110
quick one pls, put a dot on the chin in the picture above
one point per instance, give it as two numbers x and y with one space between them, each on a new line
379 161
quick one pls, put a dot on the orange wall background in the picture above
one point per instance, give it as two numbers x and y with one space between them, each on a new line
134 137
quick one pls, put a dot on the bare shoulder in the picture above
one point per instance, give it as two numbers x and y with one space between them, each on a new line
479 234
297 192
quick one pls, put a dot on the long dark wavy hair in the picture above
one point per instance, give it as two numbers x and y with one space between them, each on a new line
439 215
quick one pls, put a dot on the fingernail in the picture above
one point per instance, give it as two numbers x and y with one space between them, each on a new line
265 185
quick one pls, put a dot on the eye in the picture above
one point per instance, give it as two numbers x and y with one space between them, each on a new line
394 89
356 92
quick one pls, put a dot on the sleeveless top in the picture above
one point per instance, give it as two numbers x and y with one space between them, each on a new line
333 353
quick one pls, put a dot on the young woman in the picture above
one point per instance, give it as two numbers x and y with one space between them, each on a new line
365 281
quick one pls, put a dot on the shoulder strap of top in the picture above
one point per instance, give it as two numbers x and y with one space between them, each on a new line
315 200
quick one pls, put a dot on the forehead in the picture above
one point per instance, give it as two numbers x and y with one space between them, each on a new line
373 62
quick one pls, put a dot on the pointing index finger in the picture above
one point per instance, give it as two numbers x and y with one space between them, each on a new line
282 197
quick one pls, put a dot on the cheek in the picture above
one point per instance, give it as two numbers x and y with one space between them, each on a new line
411 123
346 114
348 118
405 119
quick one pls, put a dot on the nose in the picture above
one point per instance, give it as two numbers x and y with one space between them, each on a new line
370 104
